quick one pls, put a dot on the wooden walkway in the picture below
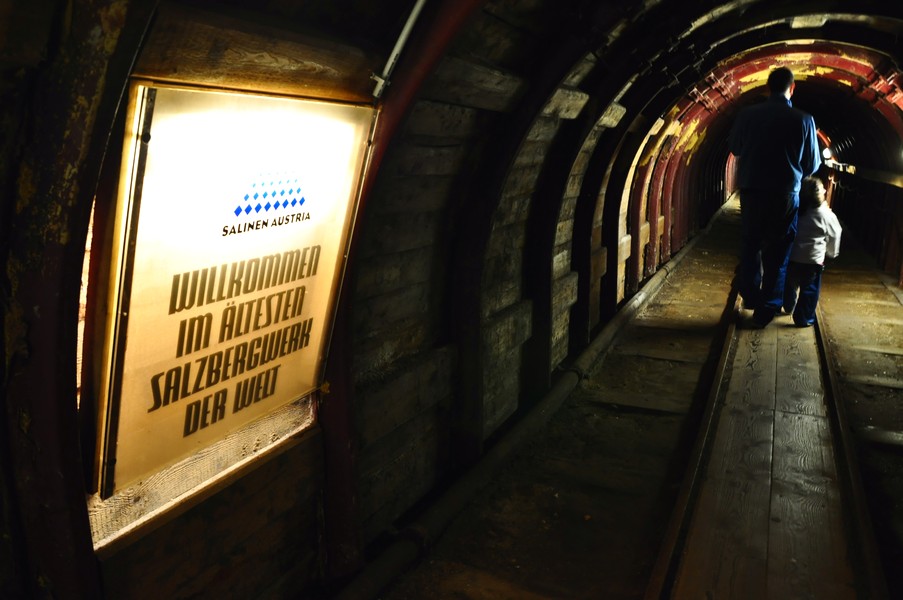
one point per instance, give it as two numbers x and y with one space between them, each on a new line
582 511
768 521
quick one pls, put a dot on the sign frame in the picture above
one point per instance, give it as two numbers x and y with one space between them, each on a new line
125 243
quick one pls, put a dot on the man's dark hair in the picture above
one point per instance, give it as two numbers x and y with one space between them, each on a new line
779 80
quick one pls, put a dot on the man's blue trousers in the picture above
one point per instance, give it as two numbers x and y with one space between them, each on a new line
768 223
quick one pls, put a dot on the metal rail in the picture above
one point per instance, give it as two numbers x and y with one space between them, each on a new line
663 572
863 548
867 560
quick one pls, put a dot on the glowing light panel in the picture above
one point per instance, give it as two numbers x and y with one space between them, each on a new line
243 205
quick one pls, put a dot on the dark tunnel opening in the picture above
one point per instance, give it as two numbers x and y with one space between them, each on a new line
852 93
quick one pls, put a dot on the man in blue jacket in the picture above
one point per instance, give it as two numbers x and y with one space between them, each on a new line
777 147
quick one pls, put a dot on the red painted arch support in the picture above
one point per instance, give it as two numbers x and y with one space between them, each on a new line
435 30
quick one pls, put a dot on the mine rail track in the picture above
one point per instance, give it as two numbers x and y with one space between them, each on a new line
869 563
599 500
865 578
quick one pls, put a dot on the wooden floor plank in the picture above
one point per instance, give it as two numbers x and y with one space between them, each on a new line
647 383
802 449
807 549
889 350
807 545
878 330
727 544
887 382
797 344
768 521
742 445
667 343
754 369
798 387
689 315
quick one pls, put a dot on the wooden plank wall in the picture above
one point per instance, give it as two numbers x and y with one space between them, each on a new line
191 46
406 369
257 538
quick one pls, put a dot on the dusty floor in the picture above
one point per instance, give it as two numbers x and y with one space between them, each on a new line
863 315
580 513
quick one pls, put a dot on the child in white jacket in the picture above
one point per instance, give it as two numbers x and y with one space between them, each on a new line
817 237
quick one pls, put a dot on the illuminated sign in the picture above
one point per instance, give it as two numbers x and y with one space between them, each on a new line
234 211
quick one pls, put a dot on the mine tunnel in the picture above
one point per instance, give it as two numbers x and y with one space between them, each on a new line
279 274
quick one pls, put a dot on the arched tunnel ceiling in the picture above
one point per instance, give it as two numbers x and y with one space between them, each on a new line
710 53
851 90
846 62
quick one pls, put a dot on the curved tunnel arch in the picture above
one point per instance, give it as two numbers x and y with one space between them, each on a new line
702 91
656 173
632 157
838 72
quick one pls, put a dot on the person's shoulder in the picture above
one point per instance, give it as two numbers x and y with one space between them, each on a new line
811 215
824 211
801 114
